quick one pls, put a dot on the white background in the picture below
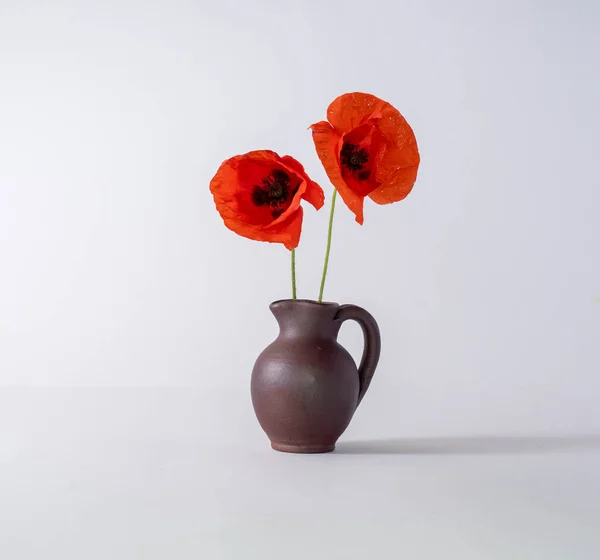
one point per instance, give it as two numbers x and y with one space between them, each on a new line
130 316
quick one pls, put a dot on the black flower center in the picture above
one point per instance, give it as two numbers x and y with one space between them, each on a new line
353 157
274 191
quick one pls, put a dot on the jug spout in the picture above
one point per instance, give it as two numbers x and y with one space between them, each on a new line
306 318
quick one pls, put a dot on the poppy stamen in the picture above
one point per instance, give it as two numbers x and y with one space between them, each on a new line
274 191
353 157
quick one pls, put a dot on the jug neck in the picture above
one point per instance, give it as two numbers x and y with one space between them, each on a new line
306 318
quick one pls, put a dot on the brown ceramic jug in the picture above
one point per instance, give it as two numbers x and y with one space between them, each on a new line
305 385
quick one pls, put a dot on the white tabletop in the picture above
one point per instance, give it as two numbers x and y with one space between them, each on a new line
122 474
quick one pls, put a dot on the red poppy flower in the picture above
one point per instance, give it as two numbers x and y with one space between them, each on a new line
367 149
258 195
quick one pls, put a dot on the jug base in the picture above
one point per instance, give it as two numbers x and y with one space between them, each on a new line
310 448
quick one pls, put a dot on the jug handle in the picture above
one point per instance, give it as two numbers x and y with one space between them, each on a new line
372 349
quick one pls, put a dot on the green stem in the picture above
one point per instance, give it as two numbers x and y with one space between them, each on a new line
293 273
328 245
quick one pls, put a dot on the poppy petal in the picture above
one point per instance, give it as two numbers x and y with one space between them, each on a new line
394 126
350 109
327 141
313 192
397 170
287 232
398 158
397 187
294 165
314 195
